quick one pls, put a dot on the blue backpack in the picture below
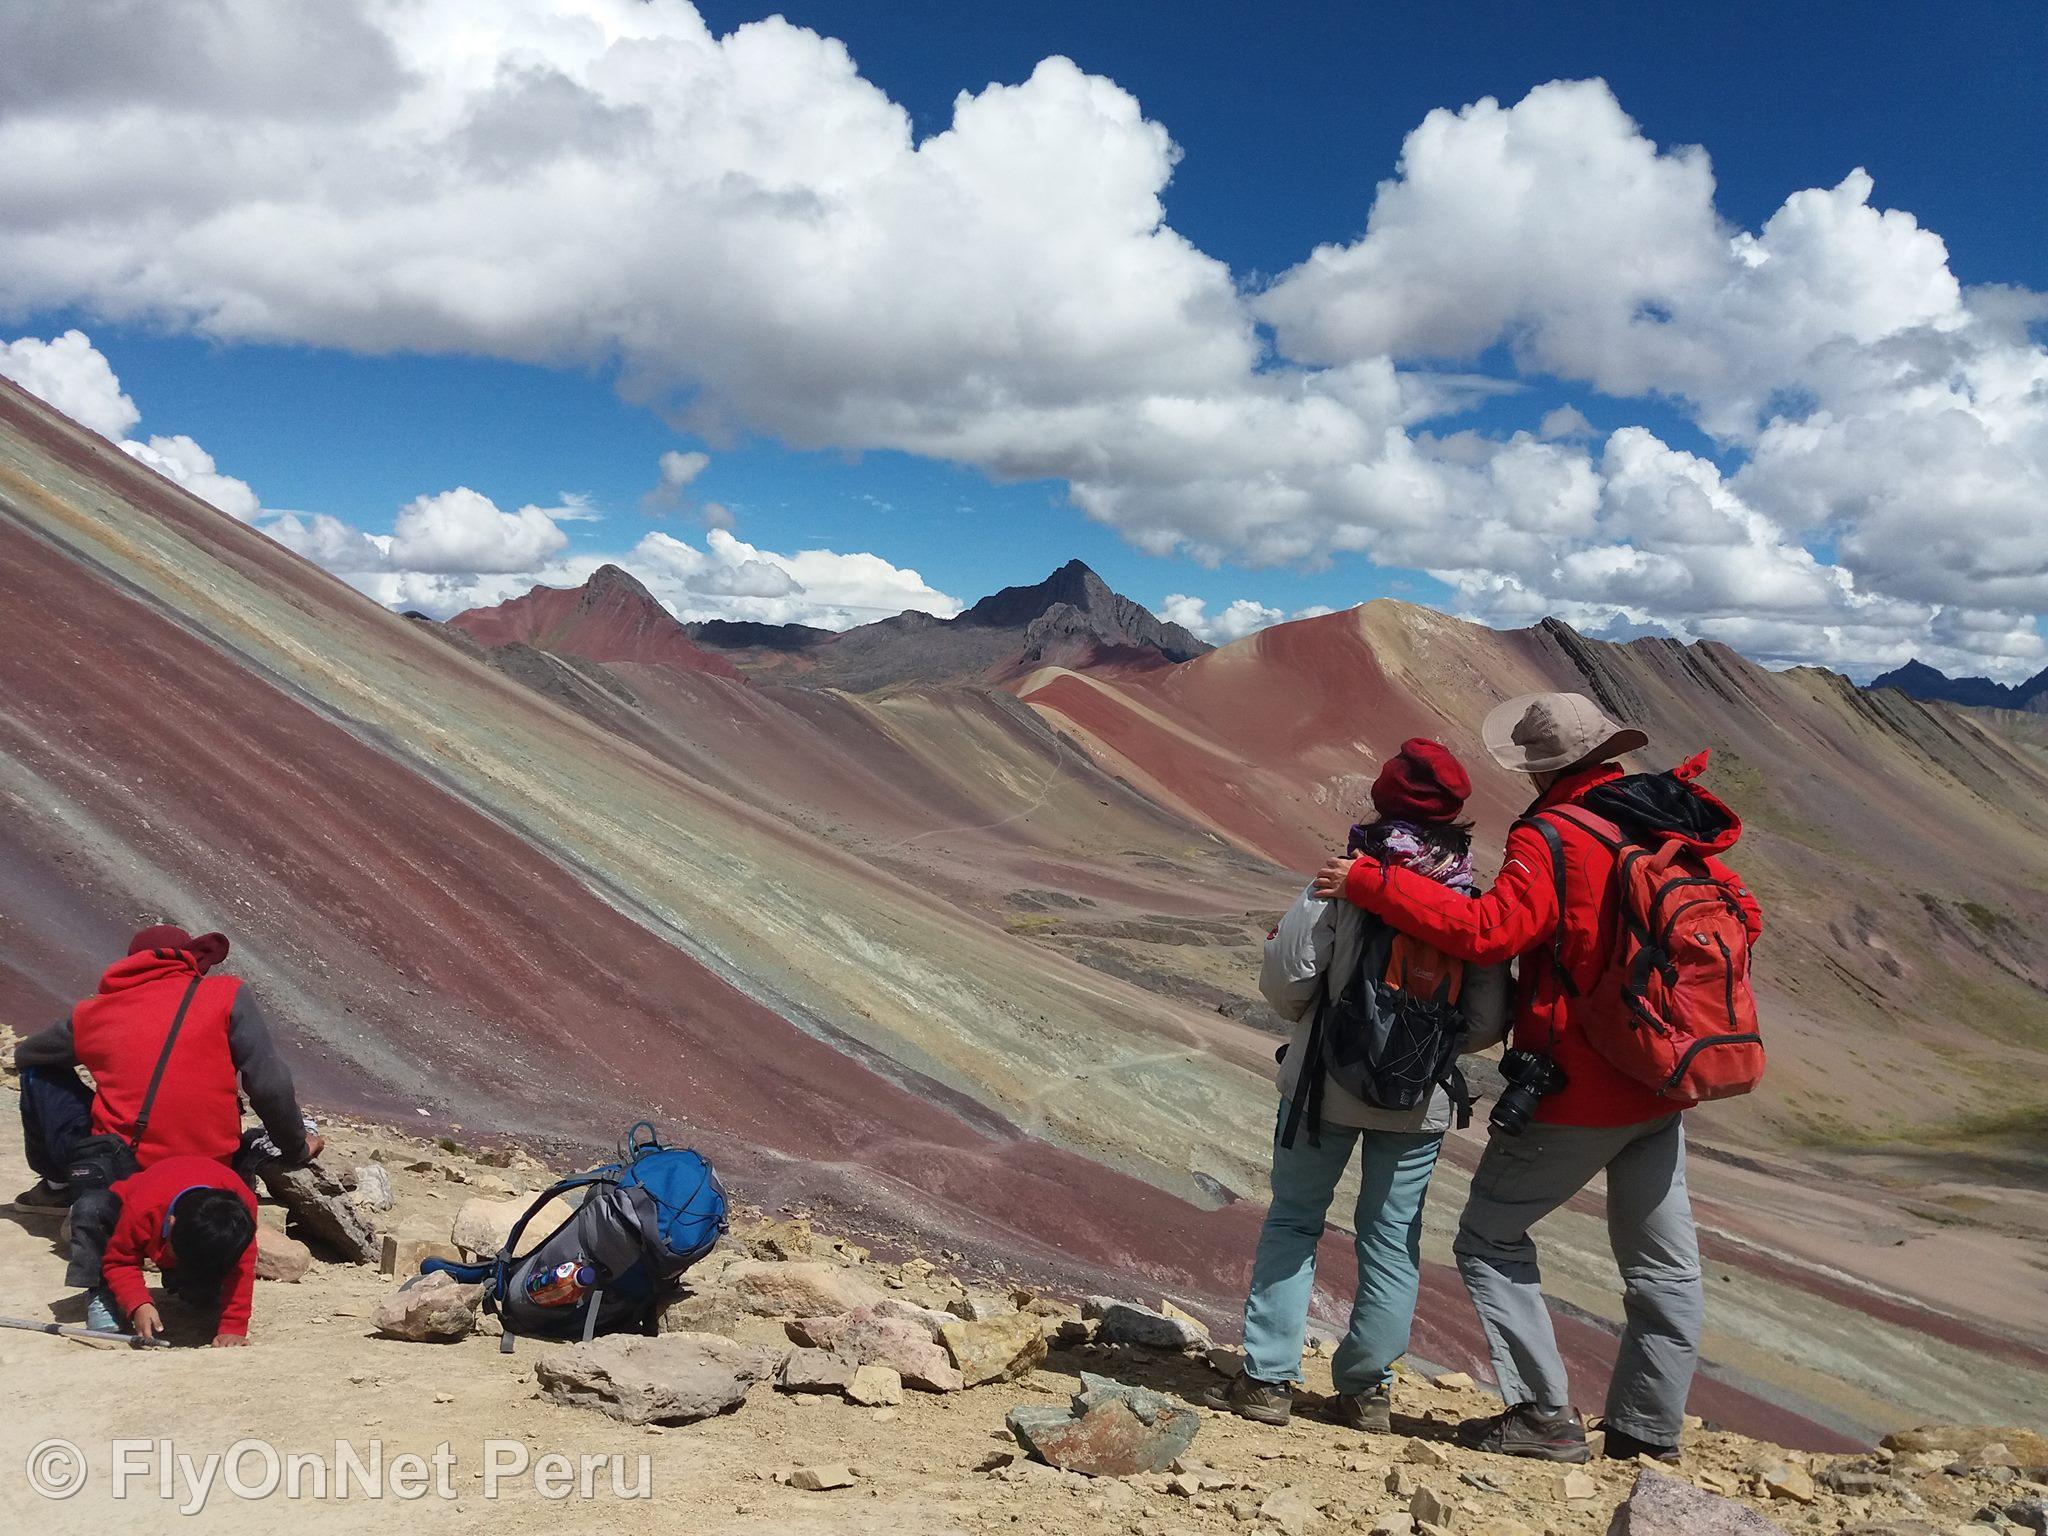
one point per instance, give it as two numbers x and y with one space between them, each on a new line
612 1265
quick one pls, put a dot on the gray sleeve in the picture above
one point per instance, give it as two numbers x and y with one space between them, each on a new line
265 1077
1485 1002
1297 954
50 1047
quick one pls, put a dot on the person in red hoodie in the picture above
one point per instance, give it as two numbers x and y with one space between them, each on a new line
223 1049
1590 1117
195 1220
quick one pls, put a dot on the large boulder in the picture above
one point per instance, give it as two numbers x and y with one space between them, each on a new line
1975 1444
1125 1322
676 1378
995 1349
482 1226
279 1257
871 1339
429 1309
1110 1431
400 1256
1664 1506
806 1288
324 1213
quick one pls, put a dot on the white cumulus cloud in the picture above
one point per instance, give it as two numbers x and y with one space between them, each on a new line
69 373
1239 618
757 238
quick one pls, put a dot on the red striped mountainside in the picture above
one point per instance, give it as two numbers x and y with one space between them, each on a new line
963 969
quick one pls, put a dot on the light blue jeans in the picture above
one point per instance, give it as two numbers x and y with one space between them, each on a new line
1394 1179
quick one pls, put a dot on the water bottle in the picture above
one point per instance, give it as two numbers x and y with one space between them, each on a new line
562 1286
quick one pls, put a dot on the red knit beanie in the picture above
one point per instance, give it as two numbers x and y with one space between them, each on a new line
1421 782
208 950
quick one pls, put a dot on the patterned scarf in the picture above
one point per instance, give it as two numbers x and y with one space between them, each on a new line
1426 850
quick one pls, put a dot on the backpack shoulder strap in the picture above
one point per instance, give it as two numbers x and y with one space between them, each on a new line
1594 825
163 1060
1554 841
540 1203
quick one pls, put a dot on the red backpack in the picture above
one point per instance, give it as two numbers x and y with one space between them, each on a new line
1674 1010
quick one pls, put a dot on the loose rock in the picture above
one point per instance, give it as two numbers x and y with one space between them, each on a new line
816 1370
997 1349
325 1214
1785 1480
675 1378
1110 1431
1292 1509
1575 1486
429 1309
874 1340
874 1386
821 1479
1663 1506
1429 1507
1125 1322
809 1288
370 1187
281 1258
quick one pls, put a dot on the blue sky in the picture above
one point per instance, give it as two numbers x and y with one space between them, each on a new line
1287 117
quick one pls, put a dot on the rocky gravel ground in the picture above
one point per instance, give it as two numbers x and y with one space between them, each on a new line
803 1385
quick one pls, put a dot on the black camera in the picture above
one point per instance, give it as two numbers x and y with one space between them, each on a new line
1531 1078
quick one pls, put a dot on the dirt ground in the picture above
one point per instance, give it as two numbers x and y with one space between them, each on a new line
317 1375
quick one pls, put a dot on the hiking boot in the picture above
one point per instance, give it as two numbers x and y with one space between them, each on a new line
1370 1413
43 1196
1623 1446
1525 1430
1263 1402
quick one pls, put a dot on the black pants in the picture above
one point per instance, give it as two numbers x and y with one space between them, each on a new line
56 1114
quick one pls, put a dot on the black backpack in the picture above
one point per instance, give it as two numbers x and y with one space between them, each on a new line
1390 1038
643 1221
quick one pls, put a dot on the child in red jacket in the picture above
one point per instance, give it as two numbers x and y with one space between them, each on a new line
196 1221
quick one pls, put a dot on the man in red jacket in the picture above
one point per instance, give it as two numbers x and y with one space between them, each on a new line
1598 1120
195 1220
223 1048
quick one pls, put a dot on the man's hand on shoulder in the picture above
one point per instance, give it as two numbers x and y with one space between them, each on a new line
1329 881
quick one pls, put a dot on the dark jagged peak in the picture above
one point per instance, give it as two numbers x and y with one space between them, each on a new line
751 634
615 581
1073 584
1919 681
1074 602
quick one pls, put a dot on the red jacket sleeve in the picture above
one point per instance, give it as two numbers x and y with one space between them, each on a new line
1516 916
121 1266
234 1310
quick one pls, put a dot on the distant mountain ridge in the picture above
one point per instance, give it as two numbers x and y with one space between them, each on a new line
1919 681
1072 618
611 617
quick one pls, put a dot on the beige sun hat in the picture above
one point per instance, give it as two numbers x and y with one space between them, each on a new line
1545 732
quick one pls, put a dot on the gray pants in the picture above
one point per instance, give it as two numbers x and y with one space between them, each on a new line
1522 1179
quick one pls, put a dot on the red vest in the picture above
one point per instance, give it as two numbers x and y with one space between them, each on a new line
118 1034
